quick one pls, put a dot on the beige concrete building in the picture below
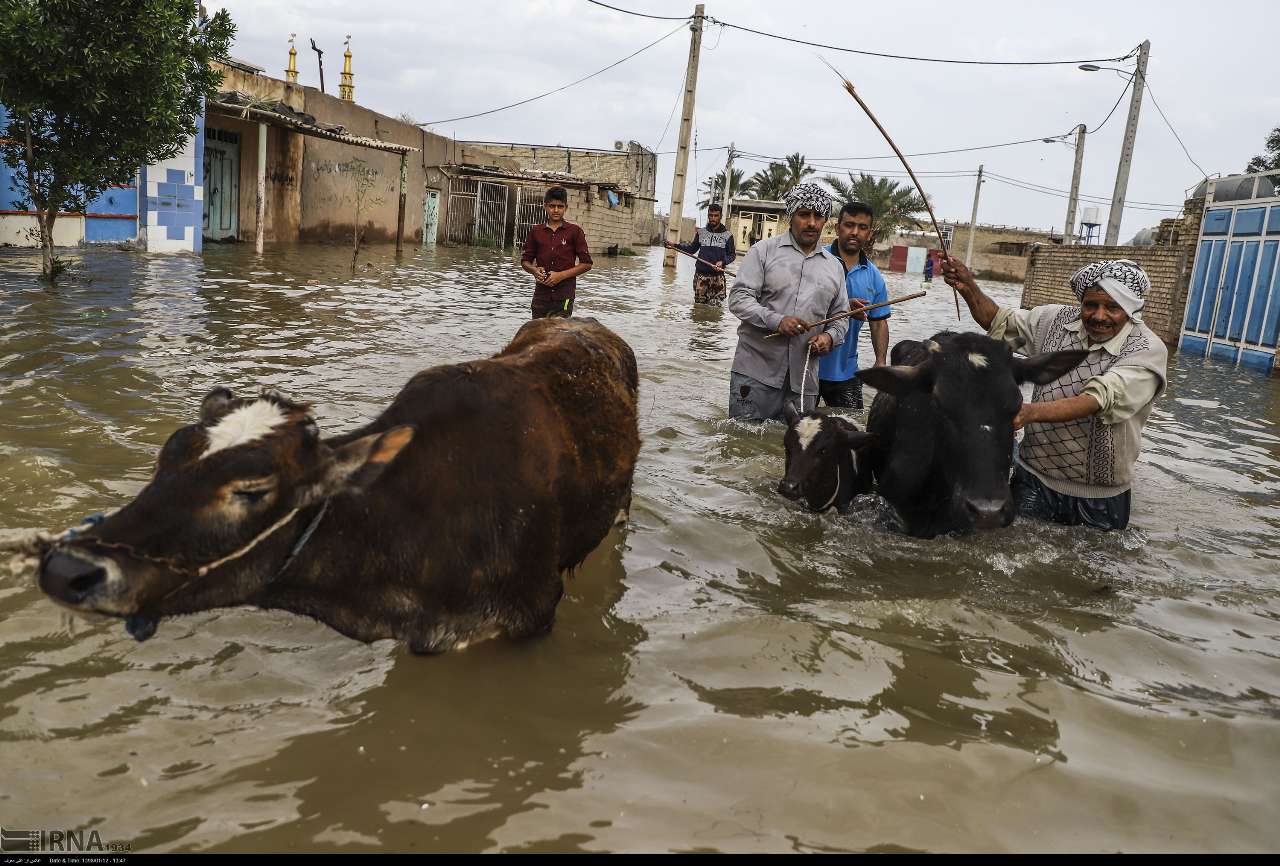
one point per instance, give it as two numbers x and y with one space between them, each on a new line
320 149
999 252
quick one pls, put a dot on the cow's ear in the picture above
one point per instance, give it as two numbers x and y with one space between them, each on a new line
898 380
790 412
216 404
355 466
1043 369
853 438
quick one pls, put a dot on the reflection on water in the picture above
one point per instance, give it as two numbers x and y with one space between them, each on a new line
726 673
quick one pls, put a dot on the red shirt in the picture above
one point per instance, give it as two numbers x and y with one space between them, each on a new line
556 250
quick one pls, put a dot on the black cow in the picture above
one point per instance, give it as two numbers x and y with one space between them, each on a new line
448 519
822 460
943 421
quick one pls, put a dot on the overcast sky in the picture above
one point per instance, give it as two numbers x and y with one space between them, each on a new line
1213 70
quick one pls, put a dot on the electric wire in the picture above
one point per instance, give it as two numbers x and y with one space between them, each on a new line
558 89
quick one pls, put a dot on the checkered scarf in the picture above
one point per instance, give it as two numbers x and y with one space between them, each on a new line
1124 280
807 195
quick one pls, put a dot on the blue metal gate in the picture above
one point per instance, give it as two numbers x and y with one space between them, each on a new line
1233 306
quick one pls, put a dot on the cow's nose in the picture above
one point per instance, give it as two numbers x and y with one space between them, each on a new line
69 578
987 513
789 488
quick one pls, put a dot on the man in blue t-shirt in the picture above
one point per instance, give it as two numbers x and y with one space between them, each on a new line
865 286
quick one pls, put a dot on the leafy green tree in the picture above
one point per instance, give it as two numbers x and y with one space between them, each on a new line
1271 159
798 170
896 205
712 187
94 89
770 183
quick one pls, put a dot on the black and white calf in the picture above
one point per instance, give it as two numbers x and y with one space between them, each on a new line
822 460
943 421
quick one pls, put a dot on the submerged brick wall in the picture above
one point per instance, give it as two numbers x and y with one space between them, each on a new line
1050 268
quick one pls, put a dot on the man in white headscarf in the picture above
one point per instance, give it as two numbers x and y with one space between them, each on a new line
785 283
1084 430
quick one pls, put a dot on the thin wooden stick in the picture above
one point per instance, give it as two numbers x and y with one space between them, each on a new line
848 313
942 244
704 261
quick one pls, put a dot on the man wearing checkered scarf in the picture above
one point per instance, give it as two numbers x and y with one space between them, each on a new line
785 284
1083 432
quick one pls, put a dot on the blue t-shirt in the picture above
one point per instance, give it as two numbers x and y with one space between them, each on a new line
865 283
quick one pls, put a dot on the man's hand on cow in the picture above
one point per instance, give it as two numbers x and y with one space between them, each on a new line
790 326
822 343
957 276
856 304
1026 415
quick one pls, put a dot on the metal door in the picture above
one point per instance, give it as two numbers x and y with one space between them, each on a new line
430 217
460 220
1233 305
221 184
491 214
529 212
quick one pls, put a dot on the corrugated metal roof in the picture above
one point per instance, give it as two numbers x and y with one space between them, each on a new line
266 114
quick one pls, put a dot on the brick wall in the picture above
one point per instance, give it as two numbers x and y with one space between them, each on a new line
603 225
1051 267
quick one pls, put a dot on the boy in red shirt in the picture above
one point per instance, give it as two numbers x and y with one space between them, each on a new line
550 253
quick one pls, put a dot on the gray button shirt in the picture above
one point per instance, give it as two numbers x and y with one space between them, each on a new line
777 279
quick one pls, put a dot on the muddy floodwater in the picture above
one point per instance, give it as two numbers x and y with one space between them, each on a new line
726 673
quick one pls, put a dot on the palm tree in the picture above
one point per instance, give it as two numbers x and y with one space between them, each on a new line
771 183
797 170
895 205
713 187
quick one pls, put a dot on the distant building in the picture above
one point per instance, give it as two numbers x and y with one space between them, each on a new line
999 252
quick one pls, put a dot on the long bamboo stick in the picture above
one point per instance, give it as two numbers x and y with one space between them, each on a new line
942 244
704 261
856 312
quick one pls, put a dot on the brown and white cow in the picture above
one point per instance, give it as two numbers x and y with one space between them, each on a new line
448 519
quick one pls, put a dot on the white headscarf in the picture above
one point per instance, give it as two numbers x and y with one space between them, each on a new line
1124 280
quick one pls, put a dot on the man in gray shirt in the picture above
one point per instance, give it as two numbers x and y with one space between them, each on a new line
785 283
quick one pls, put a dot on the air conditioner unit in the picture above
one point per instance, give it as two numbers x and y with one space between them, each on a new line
618 145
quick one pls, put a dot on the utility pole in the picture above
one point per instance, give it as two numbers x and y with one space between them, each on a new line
1126 150
973 219
682 148
724 194
1069 233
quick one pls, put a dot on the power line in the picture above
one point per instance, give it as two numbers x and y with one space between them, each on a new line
1097 128
1097 198
674 105
1031 186
1164 210
558 89
750 157
642 14
724 23
937 152
919 59
1147 80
